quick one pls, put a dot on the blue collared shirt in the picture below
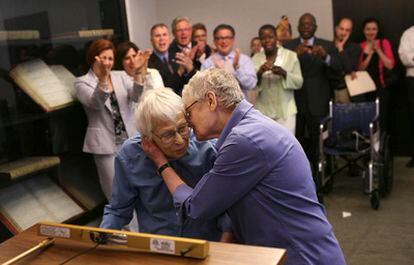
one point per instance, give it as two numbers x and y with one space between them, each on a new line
162 56
262 179
245 74
138 185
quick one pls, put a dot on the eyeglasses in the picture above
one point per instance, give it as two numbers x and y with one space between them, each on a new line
168 137
183 30
188 113
223 38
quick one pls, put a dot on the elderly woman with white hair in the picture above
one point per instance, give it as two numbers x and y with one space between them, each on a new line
160 117
261 176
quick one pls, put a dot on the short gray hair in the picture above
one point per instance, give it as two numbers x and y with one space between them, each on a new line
155 105
219 81
178 20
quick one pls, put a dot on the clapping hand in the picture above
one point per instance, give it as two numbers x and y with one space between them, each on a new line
303 49
319 51
236 59
199 48
277 70
184 61
267 66
141 61
102 71
375 45
369 48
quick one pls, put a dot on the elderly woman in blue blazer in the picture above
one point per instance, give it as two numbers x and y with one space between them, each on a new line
108 98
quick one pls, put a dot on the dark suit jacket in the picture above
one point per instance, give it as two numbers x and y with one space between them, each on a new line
316 92
349 57
207 51
172 80
348 61
174 48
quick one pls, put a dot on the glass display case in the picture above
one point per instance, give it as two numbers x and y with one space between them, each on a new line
52 34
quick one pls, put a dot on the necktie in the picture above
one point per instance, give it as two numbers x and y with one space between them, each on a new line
228 64
165 60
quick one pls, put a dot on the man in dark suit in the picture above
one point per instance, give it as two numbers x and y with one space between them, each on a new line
348 55
175 68
317 57
182 31
183 41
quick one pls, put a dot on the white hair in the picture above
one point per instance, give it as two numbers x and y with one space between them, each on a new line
178 20
219 81
155 105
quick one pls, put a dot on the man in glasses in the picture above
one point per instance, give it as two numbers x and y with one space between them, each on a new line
230 59
261 176
137 184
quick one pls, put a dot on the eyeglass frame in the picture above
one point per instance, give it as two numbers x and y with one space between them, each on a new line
183 30
223 38
172 137
187 112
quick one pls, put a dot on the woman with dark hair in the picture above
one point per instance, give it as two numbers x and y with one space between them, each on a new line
376 58
278 74
255 46
129 58
108 98
199 37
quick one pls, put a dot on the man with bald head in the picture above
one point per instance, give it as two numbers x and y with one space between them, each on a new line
348 55
317 58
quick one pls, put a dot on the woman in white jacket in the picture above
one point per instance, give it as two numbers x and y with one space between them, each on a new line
108 98
278 74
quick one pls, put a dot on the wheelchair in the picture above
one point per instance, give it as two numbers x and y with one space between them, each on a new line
351 133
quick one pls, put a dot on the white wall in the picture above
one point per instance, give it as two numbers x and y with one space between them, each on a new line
141 15
245 16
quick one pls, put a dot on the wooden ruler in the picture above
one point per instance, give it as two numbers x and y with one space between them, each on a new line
177 246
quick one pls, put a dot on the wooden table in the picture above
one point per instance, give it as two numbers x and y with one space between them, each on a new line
63 250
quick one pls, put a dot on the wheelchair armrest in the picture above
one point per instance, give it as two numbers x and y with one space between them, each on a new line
324 129
326 120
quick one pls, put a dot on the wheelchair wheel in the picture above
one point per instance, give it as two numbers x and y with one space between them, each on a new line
328 169
327 188
386 170
375 199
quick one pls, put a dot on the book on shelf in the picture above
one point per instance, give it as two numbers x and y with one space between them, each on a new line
25 166
50 86
83 33
25 203
19 34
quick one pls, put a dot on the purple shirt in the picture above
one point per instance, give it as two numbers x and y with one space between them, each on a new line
262 178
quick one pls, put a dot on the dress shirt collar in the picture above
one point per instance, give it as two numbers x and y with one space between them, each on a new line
311 41
189 46
239 112
228 56
162 55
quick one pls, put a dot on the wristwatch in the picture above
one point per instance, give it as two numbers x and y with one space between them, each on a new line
163 167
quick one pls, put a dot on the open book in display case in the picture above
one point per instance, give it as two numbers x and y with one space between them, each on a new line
43 48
